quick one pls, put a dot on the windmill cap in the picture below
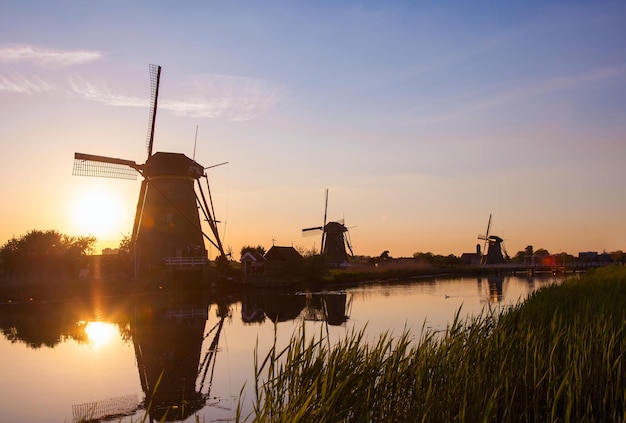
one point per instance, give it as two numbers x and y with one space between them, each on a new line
174 164
335 227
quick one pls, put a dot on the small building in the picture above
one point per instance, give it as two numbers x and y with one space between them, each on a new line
253 264
471 258
283 262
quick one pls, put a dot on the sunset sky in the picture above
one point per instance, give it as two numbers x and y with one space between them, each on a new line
421 118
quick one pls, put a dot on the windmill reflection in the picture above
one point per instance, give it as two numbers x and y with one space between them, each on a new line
175 335
168 334
331 307
495 288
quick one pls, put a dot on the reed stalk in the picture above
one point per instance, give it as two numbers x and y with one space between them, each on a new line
558 356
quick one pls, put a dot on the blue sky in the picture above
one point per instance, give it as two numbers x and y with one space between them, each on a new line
421 118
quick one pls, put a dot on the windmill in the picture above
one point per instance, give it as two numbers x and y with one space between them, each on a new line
493 251
335 238
167 220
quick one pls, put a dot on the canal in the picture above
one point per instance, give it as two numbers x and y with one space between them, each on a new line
109 357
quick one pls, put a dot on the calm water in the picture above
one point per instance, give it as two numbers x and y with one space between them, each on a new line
65 360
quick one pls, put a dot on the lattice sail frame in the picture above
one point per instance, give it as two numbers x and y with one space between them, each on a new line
84 166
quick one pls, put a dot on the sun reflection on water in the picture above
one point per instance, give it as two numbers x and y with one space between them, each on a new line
99 333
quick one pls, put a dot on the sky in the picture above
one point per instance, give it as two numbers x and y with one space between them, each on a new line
421 118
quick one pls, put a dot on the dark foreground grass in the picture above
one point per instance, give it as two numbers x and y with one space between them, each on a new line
559 356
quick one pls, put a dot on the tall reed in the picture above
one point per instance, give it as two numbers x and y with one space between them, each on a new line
559 356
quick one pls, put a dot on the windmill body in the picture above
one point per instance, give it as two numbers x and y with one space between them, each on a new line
167 222
494 251
335 244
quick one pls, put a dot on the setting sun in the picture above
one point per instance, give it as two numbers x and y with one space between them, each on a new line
99 212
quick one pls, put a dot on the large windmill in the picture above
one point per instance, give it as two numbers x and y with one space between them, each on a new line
335 238
493 251
167 224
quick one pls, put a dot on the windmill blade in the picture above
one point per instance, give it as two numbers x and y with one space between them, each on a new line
349 243
488 226
312 231
139 212
506 254
210 216
315 228
324 225
155 77
105 167
486 238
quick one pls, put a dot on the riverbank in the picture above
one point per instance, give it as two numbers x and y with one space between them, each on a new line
556 357
42 288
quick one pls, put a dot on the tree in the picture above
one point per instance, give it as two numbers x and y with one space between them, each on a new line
426 257
437 260
48 253
222 263
384 256
618 256
125 246
248 248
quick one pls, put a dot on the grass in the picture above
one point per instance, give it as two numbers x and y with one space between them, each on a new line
559 356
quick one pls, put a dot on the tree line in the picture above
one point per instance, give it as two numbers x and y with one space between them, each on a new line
46 253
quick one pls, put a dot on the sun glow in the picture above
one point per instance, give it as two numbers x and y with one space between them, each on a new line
98 212
99 333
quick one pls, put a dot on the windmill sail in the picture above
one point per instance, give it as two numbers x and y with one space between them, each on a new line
105 167
314 230
155 77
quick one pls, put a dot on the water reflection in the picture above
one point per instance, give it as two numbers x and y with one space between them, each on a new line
175 336
178 338
495 288
99 333
495 291
168 332
280 306
41 325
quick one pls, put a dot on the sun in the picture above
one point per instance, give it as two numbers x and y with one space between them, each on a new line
98 211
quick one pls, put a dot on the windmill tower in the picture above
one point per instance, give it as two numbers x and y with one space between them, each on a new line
493 251
335 238
167 222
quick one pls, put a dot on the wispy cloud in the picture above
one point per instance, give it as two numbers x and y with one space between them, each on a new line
207 96
20 84
227 97
19 75
212 96
44 56
529 90
101 93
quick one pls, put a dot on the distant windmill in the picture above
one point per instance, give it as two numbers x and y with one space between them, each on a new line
335 238
494 251
167 221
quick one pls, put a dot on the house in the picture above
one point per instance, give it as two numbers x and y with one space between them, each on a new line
283 262
253 264
471 258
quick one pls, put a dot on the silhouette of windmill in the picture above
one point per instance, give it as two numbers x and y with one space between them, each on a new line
167 221
494 251
335 238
